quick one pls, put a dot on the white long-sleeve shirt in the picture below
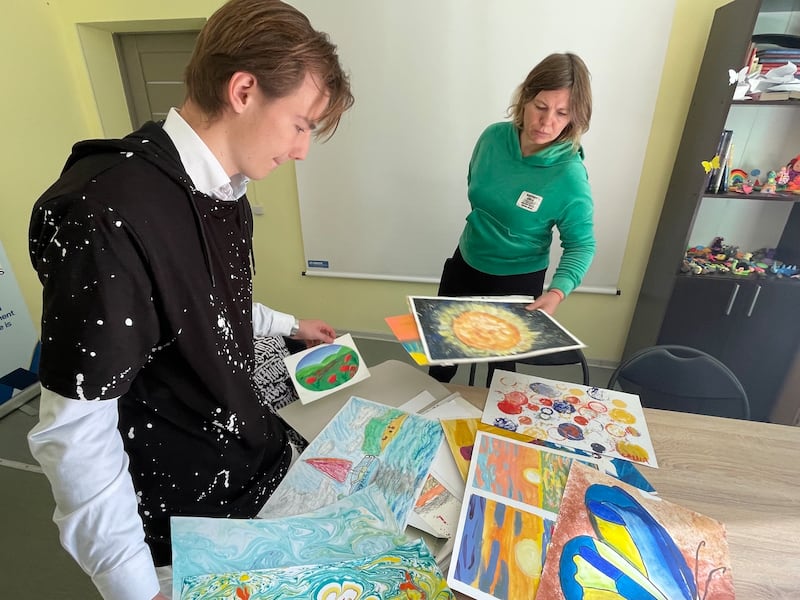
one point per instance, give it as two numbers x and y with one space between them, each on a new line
96 508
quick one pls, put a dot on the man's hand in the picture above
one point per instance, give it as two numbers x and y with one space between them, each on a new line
160 596
547 302
314 332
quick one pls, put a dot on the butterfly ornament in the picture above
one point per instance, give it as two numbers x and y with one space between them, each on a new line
711 164
633 556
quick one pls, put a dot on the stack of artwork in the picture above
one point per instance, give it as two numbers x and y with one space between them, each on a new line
333 526
365 443
542 501
460 330
550 513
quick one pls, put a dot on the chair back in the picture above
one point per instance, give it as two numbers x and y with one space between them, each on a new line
681 378
556 359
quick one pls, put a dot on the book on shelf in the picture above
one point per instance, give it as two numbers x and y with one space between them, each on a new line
724 153
777 95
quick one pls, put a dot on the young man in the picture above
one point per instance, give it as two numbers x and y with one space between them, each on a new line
143 247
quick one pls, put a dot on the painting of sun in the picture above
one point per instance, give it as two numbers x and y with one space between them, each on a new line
456 330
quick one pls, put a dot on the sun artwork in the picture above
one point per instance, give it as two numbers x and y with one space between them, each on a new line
485 332
483 329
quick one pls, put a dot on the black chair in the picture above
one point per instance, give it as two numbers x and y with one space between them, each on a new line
557 359
683 379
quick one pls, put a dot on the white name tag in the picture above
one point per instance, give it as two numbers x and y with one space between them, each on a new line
529 201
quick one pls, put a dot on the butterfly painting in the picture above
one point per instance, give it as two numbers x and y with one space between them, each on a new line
708 165
616 543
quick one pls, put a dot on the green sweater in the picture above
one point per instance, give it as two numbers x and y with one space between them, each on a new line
517 200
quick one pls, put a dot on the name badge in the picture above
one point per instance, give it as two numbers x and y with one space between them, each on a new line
528 201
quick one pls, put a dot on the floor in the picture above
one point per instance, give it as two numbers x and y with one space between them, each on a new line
35 565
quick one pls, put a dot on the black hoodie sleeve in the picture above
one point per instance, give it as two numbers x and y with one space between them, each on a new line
99 323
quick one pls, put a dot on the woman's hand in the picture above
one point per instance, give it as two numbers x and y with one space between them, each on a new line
547 302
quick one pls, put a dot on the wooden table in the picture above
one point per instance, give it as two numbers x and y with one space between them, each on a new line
745 474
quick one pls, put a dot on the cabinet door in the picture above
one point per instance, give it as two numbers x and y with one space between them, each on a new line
765 341
702 313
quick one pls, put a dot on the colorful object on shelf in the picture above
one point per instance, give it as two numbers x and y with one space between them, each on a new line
771 186
782 178
793 168
708 165
720 258
736 179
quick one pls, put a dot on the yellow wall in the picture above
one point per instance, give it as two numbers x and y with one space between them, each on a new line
50 101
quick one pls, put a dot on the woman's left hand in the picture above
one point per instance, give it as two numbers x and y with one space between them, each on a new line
547 302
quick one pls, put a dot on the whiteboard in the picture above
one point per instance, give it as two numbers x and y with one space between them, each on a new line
385 198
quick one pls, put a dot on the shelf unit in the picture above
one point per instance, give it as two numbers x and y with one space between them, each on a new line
750 323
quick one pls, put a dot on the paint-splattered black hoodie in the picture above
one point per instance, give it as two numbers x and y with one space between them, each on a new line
148 296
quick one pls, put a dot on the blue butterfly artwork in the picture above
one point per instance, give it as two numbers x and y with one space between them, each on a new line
610 543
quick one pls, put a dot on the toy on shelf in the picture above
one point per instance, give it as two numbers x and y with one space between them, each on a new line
783 270
782 178
793 169
736 179
720 258
771 185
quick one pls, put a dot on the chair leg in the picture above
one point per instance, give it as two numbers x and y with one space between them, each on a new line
585 369
472 374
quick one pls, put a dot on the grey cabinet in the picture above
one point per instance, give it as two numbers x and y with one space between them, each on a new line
752 324
744 324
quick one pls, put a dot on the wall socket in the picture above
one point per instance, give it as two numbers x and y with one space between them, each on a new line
257 209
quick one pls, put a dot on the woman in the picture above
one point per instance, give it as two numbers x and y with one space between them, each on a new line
526 176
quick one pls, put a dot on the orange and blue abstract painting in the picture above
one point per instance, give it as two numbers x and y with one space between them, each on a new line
512 499
612 540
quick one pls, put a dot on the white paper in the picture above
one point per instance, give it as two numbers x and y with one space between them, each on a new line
320 371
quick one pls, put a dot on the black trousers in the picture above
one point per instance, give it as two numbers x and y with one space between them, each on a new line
459 279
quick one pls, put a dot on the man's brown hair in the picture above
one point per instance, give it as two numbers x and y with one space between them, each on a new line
275 43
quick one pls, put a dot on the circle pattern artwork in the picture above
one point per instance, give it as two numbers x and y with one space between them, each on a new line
594 420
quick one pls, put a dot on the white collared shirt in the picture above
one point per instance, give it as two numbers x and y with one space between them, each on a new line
201 165
209 177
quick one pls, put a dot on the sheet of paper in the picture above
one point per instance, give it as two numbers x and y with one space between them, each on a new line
605 526
357 525
365 443
327 368
461 330
511 503
591 419
404 328
436 510
407 571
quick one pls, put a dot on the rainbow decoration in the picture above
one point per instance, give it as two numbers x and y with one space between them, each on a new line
737 177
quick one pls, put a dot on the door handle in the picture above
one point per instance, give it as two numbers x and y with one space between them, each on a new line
732 299
753 303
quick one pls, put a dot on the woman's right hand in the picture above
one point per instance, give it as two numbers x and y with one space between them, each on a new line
547 302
